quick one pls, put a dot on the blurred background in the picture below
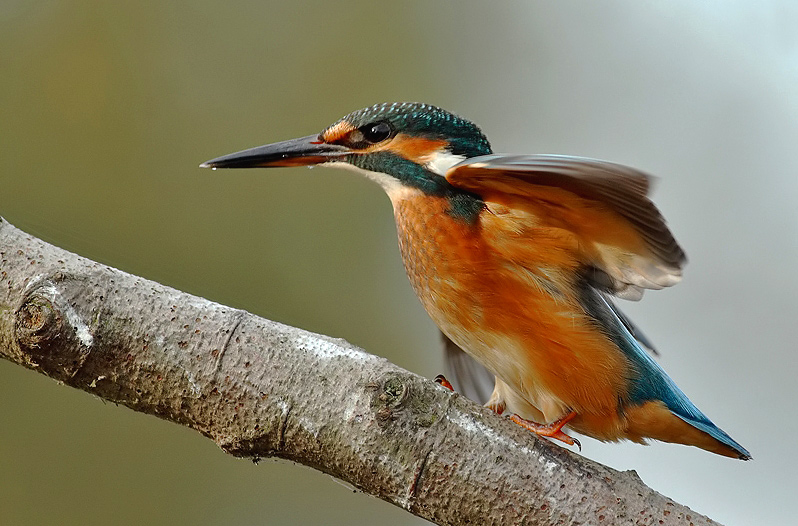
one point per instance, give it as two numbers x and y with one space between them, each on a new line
107 108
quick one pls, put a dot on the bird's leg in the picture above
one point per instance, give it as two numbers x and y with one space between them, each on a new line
441 380
496 407
552 430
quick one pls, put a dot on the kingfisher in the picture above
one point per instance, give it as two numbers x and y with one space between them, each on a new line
517 259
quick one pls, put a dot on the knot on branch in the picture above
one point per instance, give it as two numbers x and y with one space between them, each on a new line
37 322
401 394
389 395
50 333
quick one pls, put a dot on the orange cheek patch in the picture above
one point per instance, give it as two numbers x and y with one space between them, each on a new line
416 149
337 132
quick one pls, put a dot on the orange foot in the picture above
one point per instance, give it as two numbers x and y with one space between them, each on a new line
553 430
440 379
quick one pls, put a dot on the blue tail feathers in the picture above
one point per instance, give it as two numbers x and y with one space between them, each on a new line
651 382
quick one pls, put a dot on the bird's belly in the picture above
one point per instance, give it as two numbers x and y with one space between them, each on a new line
521 320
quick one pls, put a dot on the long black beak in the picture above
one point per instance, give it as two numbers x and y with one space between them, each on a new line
295 152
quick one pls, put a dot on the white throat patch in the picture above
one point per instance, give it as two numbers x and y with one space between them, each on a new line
396 190
387 182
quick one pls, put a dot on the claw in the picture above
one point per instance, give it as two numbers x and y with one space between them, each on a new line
552 430
441 380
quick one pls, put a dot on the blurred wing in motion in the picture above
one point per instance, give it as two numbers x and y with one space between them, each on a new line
616 231
468 377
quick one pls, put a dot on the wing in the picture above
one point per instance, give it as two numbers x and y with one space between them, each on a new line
467 375
619 235
633 329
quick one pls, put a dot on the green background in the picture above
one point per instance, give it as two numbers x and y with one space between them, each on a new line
107 108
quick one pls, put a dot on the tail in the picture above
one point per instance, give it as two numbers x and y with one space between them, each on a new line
654 420
677 418
725 445
657 408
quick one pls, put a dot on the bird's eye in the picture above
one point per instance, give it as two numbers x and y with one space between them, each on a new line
376 132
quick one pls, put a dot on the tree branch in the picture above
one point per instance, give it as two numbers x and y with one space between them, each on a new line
261 389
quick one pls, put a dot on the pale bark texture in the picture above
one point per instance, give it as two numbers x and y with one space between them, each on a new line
261 389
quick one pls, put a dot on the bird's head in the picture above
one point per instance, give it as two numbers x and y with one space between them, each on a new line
396 144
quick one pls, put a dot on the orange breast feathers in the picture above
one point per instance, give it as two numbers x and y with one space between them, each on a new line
503 289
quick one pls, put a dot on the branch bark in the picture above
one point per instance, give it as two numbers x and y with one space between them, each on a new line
261 389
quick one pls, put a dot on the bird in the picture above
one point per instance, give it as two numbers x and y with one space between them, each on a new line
518 259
